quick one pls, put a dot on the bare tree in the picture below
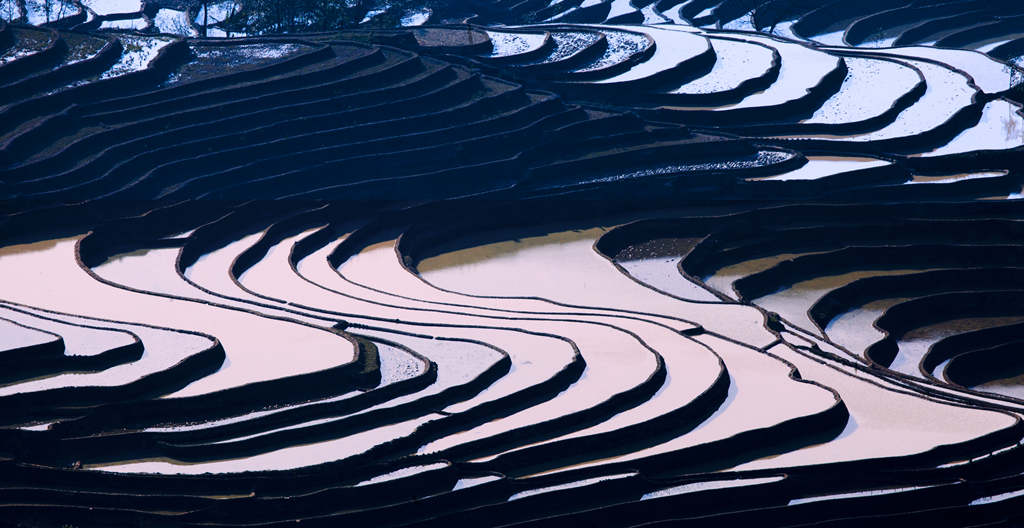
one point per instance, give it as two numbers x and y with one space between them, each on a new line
9 10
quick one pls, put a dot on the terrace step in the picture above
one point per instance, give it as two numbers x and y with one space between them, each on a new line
806 78
24 344
623 12
741 68
934 27
823 175
142 65
423 130
31 49
678 56
308 62
86 55
885 22
507 46
85 348
90 141
624 48
226 110
172 359
846 111
569 46
940 113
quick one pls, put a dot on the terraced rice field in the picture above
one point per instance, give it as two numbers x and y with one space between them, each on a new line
578 263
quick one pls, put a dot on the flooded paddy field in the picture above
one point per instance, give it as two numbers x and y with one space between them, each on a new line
574 263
